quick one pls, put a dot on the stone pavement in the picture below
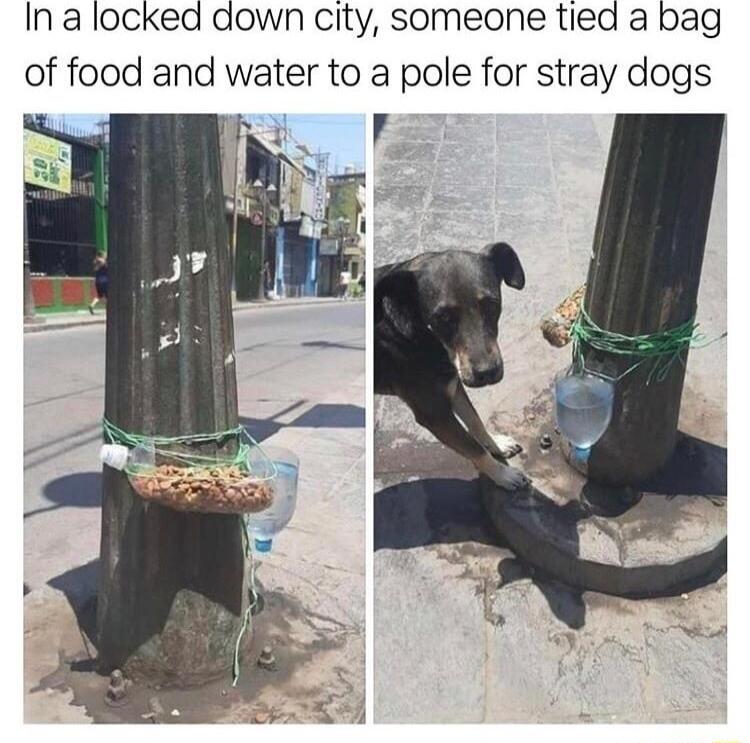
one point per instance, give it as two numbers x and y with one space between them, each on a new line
463 631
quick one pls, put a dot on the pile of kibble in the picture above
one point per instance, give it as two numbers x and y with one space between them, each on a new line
207 489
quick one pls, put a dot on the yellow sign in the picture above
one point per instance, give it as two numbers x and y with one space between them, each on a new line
46 161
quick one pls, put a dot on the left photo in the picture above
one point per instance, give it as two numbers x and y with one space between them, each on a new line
194 418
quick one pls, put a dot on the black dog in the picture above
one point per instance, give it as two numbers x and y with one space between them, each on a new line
436 321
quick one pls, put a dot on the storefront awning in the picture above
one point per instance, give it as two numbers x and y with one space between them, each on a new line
275 151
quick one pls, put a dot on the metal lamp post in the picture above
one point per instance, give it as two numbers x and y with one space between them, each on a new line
172 594
342 230
644 274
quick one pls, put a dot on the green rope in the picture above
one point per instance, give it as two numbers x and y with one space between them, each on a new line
663 349
247 621
115 435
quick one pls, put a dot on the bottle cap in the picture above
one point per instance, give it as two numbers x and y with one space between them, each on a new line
581 454
263 545
114 455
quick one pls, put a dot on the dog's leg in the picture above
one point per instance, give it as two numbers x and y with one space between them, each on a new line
444 425
500 446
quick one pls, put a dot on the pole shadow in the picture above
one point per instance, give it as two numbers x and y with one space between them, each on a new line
432 511
322 415
80 586
696 467
79 490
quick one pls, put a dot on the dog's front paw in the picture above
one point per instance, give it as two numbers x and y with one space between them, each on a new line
513 479
508 478
505 446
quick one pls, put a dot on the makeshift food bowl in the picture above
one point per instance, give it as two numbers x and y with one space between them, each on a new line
181 478
207 489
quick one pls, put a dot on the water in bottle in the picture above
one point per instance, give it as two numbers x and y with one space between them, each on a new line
583 406
265 525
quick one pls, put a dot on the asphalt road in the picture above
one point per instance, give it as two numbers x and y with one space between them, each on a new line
298 368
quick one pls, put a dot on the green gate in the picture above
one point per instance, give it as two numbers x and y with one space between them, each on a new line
247 264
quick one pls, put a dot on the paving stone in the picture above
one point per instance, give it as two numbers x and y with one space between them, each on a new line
458 230
602 659
470 121
454 197
395 173
525 175
410 151
409 198
474 170
407 133
413 682
511 153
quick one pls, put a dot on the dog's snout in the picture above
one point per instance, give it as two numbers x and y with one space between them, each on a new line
483 376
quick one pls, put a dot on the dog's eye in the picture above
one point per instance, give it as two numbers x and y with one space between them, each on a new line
445 317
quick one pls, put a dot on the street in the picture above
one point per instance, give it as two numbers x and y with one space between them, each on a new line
463 630
301 385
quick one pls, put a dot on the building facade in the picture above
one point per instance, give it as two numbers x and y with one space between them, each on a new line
65 192
270 198
346 224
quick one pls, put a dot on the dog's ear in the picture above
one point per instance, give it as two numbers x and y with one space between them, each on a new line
507 266
398 286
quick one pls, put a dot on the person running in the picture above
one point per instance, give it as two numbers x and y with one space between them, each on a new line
101 280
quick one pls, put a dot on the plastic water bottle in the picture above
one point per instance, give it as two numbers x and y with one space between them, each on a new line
121 457
583 407
266 524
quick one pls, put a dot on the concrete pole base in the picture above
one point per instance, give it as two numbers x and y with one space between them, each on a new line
662 538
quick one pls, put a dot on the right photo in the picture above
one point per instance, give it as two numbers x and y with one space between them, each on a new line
550 499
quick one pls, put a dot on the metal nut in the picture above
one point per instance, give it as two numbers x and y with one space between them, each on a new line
267 661
116 694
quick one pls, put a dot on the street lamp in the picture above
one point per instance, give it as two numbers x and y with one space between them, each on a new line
341 230
264 193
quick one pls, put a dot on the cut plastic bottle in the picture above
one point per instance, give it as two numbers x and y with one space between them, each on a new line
121 457
583 408
265 525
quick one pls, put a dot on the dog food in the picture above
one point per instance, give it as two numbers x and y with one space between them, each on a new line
556 326
207 489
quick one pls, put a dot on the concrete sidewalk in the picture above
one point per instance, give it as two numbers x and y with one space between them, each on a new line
79 318
463 631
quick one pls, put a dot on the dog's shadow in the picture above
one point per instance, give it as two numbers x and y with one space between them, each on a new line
428 511
448 510
434 511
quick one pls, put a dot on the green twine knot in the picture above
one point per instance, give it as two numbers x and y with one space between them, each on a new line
662 349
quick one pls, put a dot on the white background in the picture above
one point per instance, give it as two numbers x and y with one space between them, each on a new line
728 93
